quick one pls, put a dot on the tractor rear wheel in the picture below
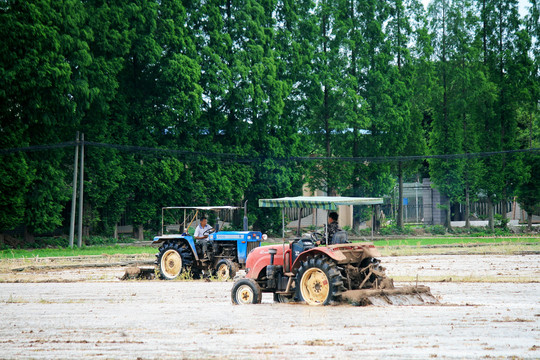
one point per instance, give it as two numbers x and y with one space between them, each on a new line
172 259
318 281
246 291
225 270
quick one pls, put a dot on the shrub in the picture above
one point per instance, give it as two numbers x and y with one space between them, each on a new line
394 230
436 230
364 232
48 242
501 222
102 240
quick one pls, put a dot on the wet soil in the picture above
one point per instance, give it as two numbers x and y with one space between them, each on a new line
98 316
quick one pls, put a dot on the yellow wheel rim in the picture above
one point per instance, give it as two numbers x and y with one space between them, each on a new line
171 263
314 286
244 295
223 272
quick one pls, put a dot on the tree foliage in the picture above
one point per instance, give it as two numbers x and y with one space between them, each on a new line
266 79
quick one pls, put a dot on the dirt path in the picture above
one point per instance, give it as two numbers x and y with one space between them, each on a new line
428 268
151 320
101 317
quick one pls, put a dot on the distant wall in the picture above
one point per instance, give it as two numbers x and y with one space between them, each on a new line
431 199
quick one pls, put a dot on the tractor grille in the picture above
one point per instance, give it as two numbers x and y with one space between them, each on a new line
252 245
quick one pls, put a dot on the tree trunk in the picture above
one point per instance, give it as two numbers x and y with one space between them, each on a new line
28 236
484 31
140 233
529 221
115 235
400 197
449 216
378 218
504 205
467 208
491 215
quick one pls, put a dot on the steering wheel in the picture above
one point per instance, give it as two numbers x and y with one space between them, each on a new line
209 231
316 236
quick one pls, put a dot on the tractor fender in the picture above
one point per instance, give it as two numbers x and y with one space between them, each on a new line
333 254
369 250
187 240
259 258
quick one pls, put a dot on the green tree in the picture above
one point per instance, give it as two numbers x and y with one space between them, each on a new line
500 25
528 114
406 25
447 133
43 96
105 173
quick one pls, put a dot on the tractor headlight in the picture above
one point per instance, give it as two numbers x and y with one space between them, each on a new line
264 237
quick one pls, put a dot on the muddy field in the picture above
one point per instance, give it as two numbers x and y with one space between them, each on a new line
493 311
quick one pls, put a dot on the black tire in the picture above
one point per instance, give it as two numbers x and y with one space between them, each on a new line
246 291
318 281
225 270
279 298
172 260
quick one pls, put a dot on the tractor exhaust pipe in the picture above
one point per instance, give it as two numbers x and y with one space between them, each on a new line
271 270
272 253
245 217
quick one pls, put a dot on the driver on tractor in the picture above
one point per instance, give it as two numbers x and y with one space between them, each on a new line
201 234
333 227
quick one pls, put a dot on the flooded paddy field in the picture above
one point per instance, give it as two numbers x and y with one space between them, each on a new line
89 313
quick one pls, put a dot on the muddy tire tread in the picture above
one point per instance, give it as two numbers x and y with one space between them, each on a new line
331 271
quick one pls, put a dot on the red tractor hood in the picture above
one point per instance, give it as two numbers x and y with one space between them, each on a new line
260 257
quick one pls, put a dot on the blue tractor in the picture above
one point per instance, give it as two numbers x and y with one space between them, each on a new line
222 254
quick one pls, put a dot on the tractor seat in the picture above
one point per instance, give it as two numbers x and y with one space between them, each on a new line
341 237
298 246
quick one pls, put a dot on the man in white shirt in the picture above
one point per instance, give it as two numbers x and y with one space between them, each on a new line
201 229
201 235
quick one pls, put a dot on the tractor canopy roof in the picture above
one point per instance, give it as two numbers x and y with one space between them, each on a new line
318 202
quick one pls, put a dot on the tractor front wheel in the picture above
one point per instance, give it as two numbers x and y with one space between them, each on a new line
246 291
225 270
171 261
318 281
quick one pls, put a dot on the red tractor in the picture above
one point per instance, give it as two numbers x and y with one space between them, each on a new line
301 271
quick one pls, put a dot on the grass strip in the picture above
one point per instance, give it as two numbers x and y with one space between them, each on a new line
115 250
84 251
456 241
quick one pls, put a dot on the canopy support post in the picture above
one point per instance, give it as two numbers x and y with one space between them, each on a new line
283 224
326 228
299 229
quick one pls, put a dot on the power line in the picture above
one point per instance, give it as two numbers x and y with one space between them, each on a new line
195 155
37 148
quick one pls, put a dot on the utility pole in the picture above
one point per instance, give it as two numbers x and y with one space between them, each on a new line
74 196
81 198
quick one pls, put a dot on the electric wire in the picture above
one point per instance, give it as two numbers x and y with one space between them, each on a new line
197 155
